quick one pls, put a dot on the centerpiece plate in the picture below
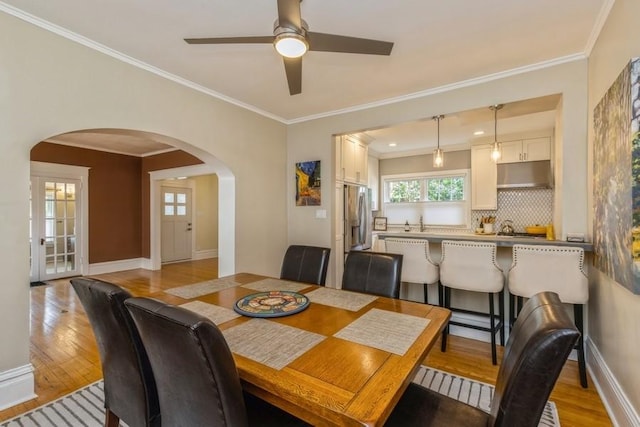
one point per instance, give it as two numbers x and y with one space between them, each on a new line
271 304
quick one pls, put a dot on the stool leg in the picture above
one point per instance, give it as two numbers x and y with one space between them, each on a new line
440 294
582 366
512 311
426 293
492 321
446 294
501 308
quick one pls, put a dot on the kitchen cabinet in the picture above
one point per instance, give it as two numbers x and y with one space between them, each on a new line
526 150
354 160
484 194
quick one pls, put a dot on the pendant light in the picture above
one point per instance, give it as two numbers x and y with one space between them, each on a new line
438 154
496 149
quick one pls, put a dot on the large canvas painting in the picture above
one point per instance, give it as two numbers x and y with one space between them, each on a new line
308 183
616 169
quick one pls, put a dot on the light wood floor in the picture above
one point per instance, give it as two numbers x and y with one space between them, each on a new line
65 357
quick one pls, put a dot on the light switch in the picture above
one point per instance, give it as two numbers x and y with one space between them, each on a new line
321 213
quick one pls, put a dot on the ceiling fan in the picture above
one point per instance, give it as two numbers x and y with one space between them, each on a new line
292 40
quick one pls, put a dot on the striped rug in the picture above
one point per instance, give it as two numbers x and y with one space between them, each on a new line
84 407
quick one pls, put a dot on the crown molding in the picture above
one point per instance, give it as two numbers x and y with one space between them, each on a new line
597 27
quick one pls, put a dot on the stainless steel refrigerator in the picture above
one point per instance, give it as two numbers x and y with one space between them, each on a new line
357 218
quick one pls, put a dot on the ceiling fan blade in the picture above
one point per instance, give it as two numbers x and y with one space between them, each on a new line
289 14
293 68
345 44
230 40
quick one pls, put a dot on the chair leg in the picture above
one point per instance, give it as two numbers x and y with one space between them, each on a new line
111 419
582 366
426 293
501 308
446 297
492 322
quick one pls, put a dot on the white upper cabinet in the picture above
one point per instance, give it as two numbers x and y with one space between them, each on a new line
373 181
354 160
526 150
484 178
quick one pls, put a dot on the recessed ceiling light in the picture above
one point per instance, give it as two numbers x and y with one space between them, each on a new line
478 132
392 144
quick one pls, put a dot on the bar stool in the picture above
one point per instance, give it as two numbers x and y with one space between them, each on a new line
471 266
417 265
560 269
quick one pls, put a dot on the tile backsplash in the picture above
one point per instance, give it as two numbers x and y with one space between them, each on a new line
523 207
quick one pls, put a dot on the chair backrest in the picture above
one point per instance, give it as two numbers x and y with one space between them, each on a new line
556 269
305 264
376 273
538 347
417 266
198 383
129 386
470 266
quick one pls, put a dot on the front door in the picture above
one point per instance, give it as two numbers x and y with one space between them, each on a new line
55 231
176 224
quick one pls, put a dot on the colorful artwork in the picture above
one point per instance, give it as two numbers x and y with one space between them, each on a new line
616 170
308 183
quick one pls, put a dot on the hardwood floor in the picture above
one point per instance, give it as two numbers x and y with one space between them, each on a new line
65 357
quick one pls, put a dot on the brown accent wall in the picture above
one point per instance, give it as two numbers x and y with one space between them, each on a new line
118 196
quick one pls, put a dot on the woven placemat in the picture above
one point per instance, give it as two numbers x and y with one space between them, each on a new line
351 301
202 288
270 343
216 314
384 330
266 285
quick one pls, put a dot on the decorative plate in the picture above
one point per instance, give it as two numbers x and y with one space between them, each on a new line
271 304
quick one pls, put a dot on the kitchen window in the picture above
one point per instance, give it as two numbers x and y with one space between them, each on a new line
441 198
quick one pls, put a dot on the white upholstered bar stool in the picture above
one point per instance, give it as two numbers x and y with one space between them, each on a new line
417 265
560 269
471 266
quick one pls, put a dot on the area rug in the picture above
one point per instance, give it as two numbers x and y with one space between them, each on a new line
84 407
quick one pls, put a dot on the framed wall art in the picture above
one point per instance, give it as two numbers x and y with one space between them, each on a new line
380 223
308 184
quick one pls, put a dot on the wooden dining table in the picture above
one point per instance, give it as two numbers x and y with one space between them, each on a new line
345 359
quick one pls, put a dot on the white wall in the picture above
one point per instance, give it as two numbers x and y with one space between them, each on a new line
51 85
614 312
312 140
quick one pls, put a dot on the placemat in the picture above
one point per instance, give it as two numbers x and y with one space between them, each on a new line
212 312
270 343
266 285
384 330
351 301
202 288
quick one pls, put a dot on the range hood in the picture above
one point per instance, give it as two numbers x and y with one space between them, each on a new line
525 175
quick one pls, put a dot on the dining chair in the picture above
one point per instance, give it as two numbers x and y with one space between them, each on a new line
538 347
376 273
306 264
560 269
198 383
130 392
417 265
468 266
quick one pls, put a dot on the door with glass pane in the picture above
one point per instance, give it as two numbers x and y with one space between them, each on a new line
176 224
55 216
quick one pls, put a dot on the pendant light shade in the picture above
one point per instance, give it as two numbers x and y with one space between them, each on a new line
438 154
496 149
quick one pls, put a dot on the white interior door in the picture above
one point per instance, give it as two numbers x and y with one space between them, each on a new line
176 224
55 232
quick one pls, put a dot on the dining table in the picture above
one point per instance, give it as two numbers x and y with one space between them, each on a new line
330 356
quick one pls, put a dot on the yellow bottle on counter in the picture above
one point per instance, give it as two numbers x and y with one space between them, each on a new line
550 234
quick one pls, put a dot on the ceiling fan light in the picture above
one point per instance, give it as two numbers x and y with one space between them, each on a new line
290 45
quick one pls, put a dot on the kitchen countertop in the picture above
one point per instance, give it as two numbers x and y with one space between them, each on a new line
506 241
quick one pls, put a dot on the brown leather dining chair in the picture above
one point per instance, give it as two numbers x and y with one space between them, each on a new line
538 347
198 383
306 264
376 273
129 386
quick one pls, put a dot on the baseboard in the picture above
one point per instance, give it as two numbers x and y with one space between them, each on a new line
16 386
615 400
205 254
113 266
